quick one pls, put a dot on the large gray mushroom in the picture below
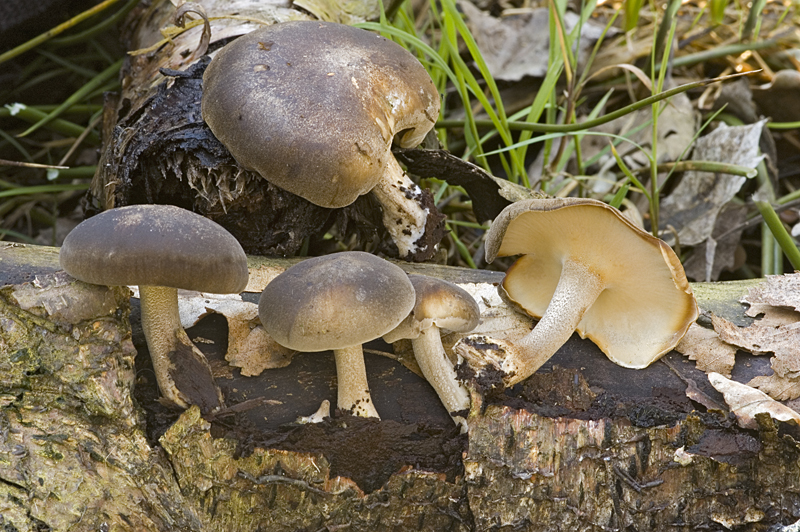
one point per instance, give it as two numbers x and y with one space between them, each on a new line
338 302
313 107
161 248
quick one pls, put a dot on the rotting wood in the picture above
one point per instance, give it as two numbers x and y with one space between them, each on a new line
583 446
158 149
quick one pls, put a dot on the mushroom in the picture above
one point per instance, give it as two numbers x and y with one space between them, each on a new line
313 107
338 302
438 305
586 268
161 248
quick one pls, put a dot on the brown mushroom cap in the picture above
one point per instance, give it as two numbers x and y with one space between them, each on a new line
155 245
335 301
314 106
646 304
438 303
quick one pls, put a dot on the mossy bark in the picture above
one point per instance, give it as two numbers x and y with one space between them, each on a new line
74 455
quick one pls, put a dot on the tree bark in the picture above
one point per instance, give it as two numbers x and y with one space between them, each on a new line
582 445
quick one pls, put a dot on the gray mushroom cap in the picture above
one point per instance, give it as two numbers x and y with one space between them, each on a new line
438 303
335 301
313 107
155 245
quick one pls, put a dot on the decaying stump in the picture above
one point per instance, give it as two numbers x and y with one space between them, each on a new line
582 445
158 149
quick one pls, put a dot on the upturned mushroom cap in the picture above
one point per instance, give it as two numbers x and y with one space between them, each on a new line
155 245
646 304
335 301
314 106
438 303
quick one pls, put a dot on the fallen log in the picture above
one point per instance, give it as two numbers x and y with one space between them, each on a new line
581 445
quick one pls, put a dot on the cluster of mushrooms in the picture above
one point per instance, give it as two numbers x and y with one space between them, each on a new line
635 305
584 267
335 302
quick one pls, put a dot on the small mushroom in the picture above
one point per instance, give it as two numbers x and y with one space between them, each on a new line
313 107
161 248
338 302
586 268
438 305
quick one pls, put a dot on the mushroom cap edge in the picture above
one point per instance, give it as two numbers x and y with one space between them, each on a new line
155 245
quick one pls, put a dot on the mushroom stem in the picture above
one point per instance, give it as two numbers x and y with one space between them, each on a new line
403 215
353 388
439 372
174 356
578 288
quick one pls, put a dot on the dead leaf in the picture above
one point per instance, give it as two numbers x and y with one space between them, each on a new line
253 350
341 11
777 387
515 45
759 339
776 291
677 125
692 208
780 99
250 348
697 395
709 352
714 255
745 402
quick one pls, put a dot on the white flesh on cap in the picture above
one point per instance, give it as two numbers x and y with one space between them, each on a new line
578 288
352 386
437 370
403 215
162 328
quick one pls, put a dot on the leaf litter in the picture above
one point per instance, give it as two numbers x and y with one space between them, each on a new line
776 331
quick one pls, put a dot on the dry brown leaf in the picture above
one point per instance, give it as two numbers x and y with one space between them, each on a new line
771 315
711 257
759 339
697 395
252 349
514 45
249 346
776 291
777 387
695 203
745 402
707 350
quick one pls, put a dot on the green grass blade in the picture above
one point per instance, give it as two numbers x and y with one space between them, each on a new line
782 236
44 37
95 30
43 189
77 96
64 127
